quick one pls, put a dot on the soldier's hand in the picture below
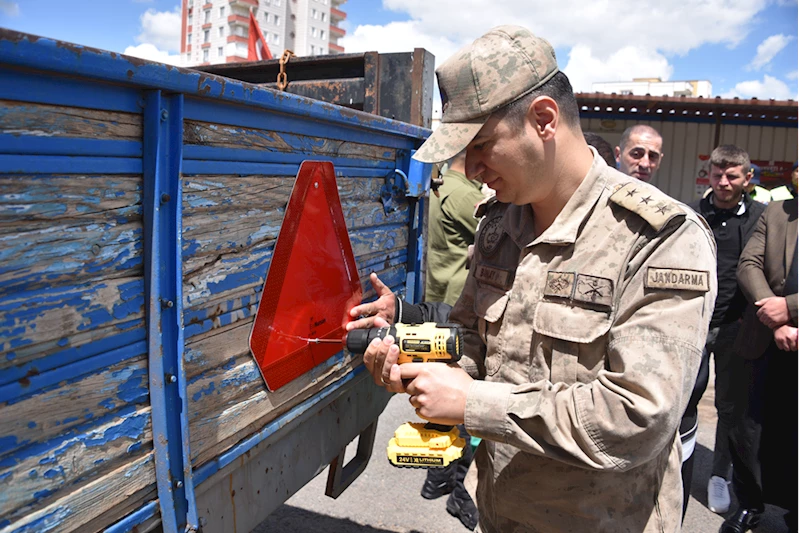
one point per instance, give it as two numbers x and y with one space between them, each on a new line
382 308
773 311
438 391
380 359
787 338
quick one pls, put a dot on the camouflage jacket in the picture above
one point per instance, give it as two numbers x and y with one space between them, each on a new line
585 343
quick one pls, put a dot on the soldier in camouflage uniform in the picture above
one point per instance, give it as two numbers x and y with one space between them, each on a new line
584 313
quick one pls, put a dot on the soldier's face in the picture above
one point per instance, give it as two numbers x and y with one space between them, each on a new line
641 156
508 160
728 184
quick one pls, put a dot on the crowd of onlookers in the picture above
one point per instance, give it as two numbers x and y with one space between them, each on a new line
755 386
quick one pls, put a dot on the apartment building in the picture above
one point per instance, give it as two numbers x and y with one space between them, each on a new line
217 31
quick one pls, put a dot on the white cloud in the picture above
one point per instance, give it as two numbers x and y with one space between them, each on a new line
151 52
161 28
792 75
398 37
9 9
607 39
766 50
605 26
625 64
769 87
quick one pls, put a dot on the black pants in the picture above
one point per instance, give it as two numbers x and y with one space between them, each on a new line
729 386
456 470
764 443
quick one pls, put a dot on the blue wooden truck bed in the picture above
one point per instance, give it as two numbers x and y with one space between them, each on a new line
139 207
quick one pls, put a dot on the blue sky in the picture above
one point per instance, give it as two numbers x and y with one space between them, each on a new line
745 48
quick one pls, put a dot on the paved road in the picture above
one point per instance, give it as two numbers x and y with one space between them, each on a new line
386 499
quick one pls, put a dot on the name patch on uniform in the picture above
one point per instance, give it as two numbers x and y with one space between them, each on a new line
677 279
497 277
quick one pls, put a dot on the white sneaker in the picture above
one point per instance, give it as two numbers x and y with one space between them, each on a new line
718 495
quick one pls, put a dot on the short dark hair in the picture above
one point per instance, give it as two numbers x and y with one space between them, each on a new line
729 155
559 89
636 128
602 146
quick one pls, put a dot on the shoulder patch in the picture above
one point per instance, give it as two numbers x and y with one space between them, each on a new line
648 203
482 207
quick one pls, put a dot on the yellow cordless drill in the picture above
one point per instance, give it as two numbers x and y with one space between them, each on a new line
419 444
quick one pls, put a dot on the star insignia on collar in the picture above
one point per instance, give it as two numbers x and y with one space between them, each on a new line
662 209
645 200
632 192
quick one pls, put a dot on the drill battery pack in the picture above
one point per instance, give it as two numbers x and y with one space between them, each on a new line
420 445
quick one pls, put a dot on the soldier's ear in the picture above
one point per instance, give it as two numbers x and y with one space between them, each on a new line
544 115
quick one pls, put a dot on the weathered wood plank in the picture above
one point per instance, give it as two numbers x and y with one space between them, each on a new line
67 197
232 271
34 324
123 509
20 118
227 136
227 215
48 256
34 420
38 472
211 435
238 304
91 500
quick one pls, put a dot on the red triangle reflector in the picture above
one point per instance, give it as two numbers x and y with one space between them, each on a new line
312 281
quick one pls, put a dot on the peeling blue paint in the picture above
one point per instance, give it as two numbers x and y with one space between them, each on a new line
31 424
136 446
108 403
131 428
203 392
54 472
38 495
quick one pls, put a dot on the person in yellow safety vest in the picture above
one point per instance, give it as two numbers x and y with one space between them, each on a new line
786 192
754 190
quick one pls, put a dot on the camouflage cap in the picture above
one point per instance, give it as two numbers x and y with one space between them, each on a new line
498 68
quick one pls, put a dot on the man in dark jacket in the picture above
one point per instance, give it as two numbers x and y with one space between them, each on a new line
732 215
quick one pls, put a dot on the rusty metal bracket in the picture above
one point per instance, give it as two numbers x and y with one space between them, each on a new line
339 476
394 190
282 78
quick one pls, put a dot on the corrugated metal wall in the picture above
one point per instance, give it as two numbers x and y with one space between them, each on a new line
684 142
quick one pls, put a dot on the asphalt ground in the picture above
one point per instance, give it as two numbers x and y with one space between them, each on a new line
386 499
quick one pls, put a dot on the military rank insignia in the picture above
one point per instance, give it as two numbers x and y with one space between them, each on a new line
592 290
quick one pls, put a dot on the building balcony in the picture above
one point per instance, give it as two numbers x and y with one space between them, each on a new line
237 39
337 3
208 5
188 48
240 20
336 32
244 3
336 15
335 49
235 59
205 45
207 26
